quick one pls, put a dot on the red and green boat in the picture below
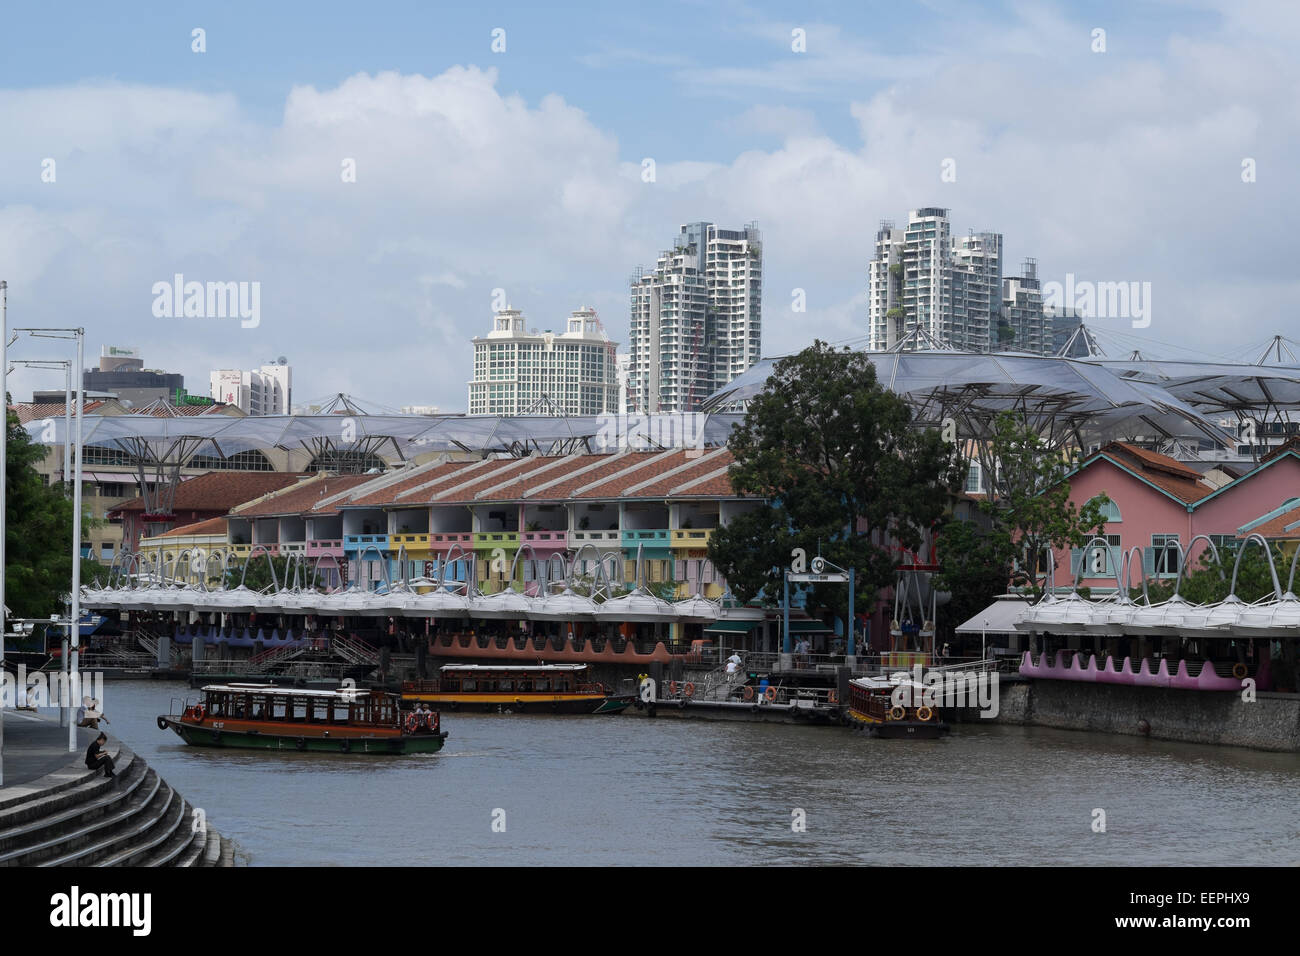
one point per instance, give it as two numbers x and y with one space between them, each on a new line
266 717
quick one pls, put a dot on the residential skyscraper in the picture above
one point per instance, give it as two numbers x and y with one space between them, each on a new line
1024 326
696 320
921 277
518 371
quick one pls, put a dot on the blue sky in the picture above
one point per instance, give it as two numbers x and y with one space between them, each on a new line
520 170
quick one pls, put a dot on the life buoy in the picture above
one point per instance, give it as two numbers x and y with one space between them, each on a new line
162 723
748 693
198 713
924 713
689 689
897 713
1239 671
435 721
770 694
833 697
672 687
412 723
301 743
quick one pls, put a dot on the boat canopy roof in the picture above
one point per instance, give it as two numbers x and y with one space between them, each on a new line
531 668
274 689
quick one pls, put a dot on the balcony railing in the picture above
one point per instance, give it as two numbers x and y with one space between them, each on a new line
579 538
545 539
442 540
412 542
325 546
496 539
355 542
692 538
656 538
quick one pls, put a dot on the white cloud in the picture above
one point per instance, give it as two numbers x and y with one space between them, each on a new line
1109 166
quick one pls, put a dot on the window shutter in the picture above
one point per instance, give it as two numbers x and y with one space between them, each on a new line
1149 561
1076 557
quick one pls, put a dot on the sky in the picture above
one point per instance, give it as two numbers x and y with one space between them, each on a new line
504 147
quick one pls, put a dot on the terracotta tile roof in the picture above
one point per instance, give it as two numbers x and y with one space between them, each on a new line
1172 477
32 411
1279 526
1291 445
210 526
307 495
219 491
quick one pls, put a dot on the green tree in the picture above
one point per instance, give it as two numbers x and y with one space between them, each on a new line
1211 580
38 532
1026 511
258 577
834 456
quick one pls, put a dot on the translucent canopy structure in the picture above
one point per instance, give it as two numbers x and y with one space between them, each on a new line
393 436
1216 388
1061 397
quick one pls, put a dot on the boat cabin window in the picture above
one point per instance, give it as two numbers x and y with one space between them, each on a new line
505 684
468 683
541 683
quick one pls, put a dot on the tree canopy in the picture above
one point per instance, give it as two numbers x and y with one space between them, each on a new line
38 532
834 456
1025 512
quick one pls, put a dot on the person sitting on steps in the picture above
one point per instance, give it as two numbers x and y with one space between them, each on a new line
97 756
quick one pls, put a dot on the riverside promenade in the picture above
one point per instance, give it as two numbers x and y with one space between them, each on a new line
54 811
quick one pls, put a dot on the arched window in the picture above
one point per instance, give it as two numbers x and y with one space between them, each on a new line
1109 511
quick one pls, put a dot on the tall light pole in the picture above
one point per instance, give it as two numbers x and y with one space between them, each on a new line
74 625
65 713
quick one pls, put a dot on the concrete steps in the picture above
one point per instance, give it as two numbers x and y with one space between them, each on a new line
87 819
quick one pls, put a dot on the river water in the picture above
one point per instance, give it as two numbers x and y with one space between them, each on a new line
628 790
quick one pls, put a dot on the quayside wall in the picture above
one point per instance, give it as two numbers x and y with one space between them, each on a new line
1270 722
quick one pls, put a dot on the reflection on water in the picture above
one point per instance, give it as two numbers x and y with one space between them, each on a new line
624 789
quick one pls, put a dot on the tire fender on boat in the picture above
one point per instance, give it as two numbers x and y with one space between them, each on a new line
162 723
300 743
345 745
216 738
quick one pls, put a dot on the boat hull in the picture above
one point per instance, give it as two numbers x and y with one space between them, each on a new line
899 729
209 735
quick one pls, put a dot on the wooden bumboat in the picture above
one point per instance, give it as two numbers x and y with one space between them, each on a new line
871 708
267 717
516 689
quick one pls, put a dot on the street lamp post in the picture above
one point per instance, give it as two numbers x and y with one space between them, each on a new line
74 624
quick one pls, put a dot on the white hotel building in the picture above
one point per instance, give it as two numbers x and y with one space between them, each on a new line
519 372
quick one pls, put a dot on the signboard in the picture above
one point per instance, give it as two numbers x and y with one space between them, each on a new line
824 578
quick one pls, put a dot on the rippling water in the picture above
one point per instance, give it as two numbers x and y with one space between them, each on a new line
628 790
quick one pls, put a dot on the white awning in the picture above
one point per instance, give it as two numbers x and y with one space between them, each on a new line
1000 617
